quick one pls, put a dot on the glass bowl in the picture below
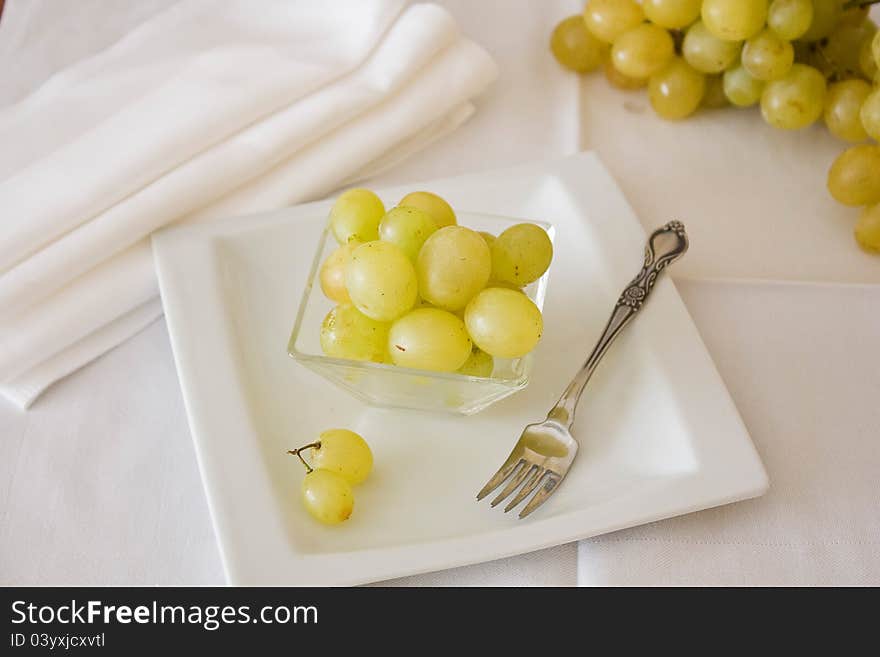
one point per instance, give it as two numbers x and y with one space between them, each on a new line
400 387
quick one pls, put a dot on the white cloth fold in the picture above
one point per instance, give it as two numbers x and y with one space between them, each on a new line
212 70
358 94
25 389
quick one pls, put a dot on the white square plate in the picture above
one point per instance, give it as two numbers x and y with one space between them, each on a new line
659 433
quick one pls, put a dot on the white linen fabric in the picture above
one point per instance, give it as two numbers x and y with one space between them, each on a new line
801 363
244 111
99 483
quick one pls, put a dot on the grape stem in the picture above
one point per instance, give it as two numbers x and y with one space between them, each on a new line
297 453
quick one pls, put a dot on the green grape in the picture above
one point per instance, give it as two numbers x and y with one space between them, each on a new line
790 19
479 363
706 52
521 254
868 229
875 48
715 98
676 91
672 14
854 178
407 228
435 206
356 215
327 497
489 237
332 274
504 323
642 51
575 47
453 265
767 57
429 339
796 100
347 333
870 114
842 47
826 16
741 88
381 281
343 452
842 105
734 20
608 19
867 65
621 81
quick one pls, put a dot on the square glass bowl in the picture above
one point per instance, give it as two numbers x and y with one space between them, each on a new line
400 387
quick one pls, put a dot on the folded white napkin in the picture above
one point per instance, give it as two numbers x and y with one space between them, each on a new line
204 110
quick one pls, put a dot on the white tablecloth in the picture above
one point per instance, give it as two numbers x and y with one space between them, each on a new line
99 484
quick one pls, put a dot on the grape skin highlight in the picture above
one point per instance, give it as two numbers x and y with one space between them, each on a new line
521 254
575 47
348 333
504 323
332 274
642 51
672 14
767 57
854 178
345 453
843 103
706 52
327 497
608 19
381 281
407 228
453 265
790 19
676 91
734 20
356 215
870 114
796 100
429 339
434 205
741 88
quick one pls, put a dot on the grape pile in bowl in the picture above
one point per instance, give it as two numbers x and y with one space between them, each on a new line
410 308
801 61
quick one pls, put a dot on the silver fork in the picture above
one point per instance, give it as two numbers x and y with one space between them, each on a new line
545 451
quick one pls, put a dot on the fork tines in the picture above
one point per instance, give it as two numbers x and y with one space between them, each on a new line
530 476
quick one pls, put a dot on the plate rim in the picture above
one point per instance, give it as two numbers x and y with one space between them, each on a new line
189 251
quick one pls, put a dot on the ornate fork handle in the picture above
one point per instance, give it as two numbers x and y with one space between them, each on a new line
665 245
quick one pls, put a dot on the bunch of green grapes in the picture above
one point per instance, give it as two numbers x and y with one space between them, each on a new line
415 289
340 459
798 60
